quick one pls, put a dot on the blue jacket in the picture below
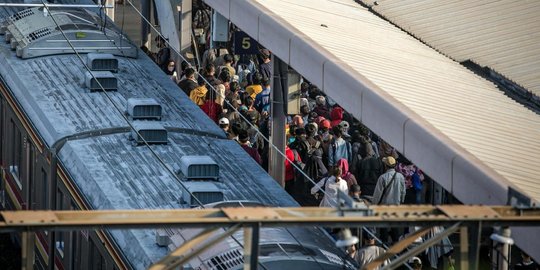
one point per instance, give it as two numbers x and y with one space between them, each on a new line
262 101
338 149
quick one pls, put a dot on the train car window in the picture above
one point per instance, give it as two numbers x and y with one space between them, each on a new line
12 139
76 250
44 187
16 153
75 245
97 262
60 236
30 172
1 129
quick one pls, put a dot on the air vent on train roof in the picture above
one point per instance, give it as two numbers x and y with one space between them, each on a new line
199 167
144 108
107 80
102 62
151 132
205 192
33 33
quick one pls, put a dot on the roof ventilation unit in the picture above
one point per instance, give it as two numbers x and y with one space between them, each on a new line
107 80
205 192
151 132
144 108
199 167
37 34
162 238
102 62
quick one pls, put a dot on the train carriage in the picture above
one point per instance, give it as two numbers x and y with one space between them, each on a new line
68 145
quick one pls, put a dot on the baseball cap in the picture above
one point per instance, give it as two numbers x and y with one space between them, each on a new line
224 121
389 160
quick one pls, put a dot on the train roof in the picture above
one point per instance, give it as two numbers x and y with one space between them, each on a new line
109 169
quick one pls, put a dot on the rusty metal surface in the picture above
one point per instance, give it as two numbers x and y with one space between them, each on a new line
257 213
464 212
309 216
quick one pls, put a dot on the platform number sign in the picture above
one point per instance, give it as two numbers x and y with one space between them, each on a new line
244 44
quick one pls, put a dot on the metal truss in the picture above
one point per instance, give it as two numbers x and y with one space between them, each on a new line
469 220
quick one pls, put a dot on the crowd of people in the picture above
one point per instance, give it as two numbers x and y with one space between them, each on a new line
327 149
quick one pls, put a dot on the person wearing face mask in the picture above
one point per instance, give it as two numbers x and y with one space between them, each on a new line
171 71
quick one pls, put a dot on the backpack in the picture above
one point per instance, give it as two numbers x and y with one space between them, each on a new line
416 181
356 159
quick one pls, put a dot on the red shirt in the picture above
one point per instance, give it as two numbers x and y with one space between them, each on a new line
212 109
289 168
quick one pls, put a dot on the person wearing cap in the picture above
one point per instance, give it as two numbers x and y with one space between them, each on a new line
324 130
369 252
415 263
224 125
389 190
344 126
348 242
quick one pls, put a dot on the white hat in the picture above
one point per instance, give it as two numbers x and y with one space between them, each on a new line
344 124
224 121
346 239
416 260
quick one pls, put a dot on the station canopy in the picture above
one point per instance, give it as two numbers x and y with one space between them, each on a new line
455 125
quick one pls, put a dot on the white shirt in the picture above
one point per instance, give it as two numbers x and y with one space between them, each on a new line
331 190
369 253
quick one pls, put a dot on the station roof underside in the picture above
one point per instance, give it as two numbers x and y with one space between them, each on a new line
458 127
501 35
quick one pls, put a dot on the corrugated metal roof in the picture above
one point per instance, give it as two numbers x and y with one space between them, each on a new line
468 109
465 133
502 35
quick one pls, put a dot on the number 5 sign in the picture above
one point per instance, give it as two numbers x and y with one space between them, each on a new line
244 44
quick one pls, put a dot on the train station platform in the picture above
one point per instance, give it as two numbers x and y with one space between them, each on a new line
463 131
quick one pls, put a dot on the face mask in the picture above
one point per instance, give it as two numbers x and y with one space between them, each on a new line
170 68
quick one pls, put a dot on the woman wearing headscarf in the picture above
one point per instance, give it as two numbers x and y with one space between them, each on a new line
343 164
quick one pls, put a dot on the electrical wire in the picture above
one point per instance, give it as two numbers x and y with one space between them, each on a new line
237 241
228 103
115 105
131 125
245 119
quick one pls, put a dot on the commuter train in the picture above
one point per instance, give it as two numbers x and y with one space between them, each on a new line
66 144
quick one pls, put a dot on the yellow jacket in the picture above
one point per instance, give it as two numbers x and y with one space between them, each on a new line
198 95
253 90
